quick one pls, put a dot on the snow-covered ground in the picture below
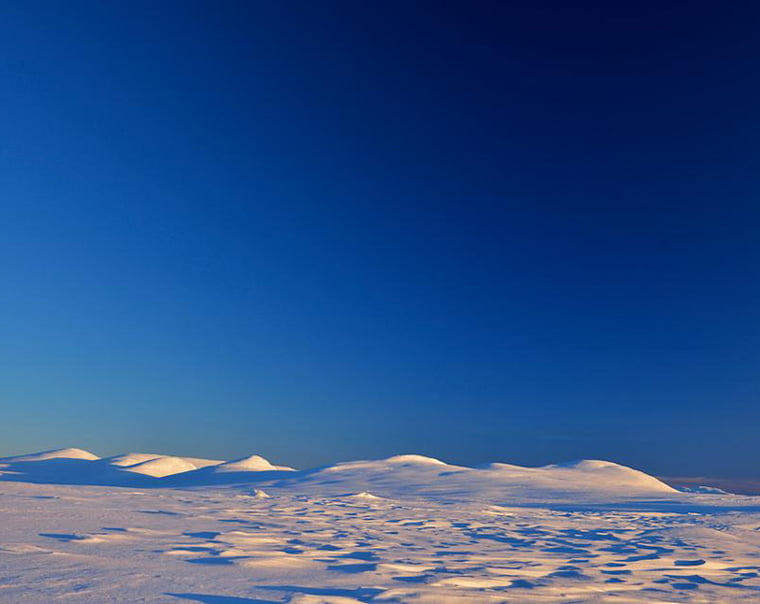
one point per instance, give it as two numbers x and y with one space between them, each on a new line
151 528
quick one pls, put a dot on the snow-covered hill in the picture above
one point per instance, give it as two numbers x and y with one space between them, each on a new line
407 476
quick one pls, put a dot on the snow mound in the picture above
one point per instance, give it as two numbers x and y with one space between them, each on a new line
397 463
131 459
599 473
68 453
364 495
252 463
418 476
161 466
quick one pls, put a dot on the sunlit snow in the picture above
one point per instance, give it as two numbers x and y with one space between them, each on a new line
407 529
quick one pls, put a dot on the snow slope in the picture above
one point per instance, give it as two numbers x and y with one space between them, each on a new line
252 463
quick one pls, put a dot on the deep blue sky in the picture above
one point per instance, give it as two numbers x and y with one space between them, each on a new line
520 232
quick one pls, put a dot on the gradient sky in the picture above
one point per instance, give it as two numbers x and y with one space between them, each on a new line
318 231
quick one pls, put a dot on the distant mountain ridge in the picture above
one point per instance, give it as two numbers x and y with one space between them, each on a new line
702 484
406 476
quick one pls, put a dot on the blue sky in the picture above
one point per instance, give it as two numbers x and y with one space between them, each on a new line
323 231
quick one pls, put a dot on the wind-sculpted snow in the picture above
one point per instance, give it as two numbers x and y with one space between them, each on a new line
404 530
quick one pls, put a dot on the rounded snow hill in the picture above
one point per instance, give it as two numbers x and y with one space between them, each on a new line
252 463
420 476
600 474
132 459
68 453
364 495
405 462
161 466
